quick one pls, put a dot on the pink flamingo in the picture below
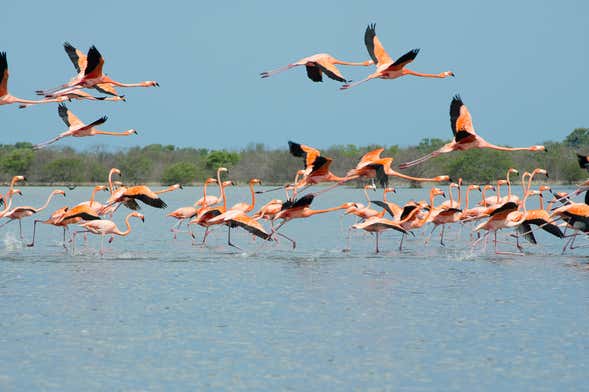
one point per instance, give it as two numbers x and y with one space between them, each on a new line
386 68
465 137
93 76
18 213
77 128
317 65
104 227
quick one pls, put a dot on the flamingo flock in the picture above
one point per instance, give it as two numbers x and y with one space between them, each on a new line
493 214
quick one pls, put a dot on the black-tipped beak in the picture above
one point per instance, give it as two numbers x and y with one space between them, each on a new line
443 194
545 149
63 194
181 187
480 190
451 180
24 178
547 176
452 74
142 219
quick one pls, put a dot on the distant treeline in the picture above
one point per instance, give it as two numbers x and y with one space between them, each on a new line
167 164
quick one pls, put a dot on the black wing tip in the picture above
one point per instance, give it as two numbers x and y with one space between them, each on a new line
371 28
67 45
457 99
3 60
295 149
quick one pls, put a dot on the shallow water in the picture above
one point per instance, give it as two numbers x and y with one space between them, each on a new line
157 314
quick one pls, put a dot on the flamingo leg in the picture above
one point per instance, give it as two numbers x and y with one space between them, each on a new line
102 245
377 235
229 238
267 74
294 243
419 160
34 231
442 235
401 243
20 229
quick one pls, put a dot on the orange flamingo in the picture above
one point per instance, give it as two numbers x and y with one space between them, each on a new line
371 165
239 209
104 227
93 204
18 213
183 213
52 220
5 97
93 76
300 209
81 96
317 65
77 128
206 214
386 68
465 137
377 225
137 192
413 219
80 61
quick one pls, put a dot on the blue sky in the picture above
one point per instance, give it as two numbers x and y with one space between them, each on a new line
521 68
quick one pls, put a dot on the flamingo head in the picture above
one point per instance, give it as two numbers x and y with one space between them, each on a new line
101 188
512 170
371 186
538 148
210 180
473 187
389 189
541 171
502 182
15 179
491 187
255 181
114 170
437 192
447 74
227 183
13 192
132 132
151 83
138 215
544 188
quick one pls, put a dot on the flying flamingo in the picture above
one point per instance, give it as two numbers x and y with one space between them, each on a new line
386 68
317 65
77 128
371 165
137 192
93 76
465 137
82 96
5 97
104 227
80 61
22 212
300 209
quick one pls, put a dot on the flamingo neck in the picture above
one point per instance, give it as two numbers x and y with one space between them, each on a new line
46 203
253 203
128 224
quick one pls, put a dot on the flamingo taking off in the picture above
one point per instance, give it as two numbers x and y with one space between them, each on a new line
77 128
465 137
317 65
5 97
104 227
386 68
93 76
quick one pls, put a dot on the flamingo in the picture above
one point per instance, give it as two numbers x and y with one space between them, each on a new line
5 97
137 192
207 213
93 76
183 213
510 196
104 227
239 209
377 225
465 137
393 209
80 61
8 203
539 217
19 213
77 128
413 220
82 96
453 203
300 209
317 65
386 68
52 220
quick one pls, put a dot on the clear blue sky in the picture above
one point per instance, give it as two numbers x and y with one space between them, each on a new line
521 68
